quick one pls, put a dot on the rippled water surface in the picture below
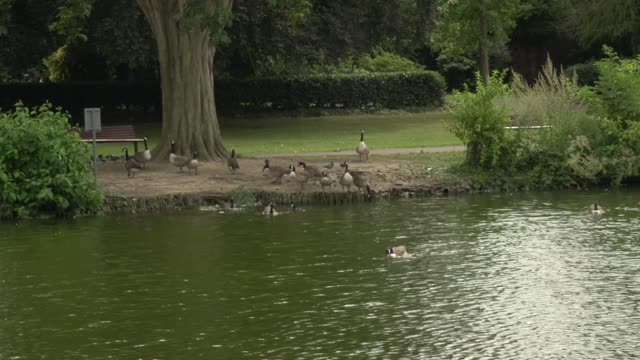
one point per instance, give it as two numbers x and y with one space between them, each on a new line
524 276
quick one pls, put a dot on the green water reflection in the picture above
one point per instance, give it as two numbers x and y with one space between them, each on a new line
510 276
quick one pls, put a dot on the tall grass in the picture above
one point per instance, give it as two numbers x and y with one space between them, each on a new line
556 101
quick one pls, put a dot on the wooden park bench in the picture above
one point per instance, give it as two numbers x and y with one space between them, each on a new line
113 134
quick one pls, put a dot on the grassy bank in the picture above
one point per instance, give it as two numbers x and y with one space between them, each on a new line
327 133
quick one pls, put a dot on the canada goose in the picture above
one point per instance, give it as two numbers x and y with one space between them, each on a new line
278 172
370 193
325 181
193 163
270 210
346 179
130 164
396 251
300 178
143 156
329 165
362 148
232 163
178 161
596 209
361 181
312 171
345 164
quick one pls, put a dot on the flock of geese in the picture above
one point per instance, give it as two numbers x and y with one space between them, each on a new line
308 173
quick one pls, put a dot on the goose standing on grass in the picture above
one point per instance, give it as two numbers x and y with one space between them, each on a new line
130 164
178 161
596 209
193 163
362 148
232 163
143 156
396 251
270 210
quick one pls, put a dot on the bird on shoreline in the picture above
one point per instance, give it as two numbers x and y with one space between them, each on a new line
193 163
232 163
178 161
130 164
145 155
277 172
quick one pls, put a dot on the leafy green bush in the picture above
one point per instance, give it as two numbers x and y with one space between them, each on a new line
478 120
44 166
618 87
383 61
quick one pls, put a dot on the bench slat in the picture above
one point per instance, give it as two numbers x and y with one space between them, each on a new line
117 133
113 140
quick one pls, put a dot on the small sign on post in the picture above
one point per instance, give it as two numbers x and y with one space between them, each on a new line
92 122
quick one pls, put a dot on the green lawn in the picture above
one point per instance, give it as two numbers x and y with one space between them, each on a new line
326 133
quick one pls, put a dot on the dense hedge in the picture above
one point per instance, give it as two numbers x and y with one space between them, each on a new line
125 102
368 90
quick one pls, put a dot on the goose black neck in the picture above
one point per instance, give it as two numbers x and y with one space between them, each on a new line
362 136
146 147
173 147
126 154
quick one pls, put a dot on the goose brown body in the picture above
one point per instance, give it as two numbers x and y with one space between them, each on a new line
130 164
232 163
178 161
399 250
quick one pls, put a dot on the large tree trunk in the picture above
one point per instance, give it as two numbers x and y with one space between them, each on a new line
484 42
185 54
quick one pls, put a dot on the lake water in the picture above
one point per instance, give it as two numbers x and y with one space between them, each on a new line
509 276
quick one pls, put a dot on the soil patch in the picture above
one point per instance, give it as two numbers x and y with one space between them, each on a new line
162 181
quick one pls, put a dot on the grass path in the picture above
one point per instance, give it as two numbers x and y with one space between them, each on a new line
252 136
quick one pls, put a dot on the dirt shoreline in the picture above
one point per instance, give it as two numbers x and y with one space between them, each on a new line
162 187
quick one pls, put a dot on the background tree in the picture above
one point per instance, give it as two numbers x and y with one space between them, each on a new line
186 35
481 26
595 21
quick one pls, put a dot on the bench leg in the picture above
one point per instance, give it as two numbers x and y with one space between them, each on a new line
135 147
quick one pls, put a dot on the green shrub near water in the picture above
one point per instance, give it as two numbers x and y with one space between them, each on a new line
479 122
591 135
44 166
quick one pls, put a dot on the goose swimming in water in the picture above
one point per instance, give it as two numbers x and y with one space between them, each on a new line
596 209
397 251
270 210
